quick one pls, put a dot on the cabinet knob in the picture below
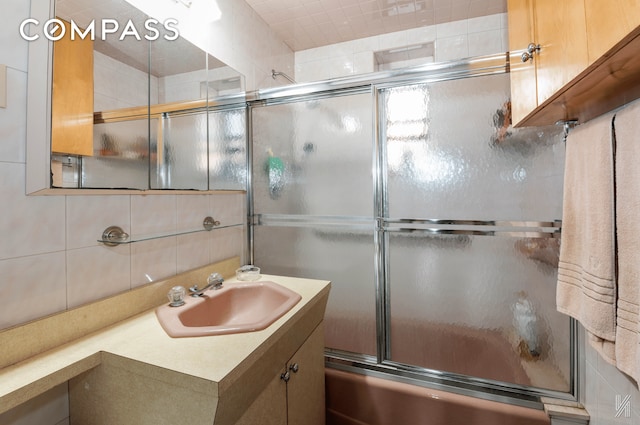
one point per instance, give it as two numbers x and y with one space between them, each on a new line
294 368
532 49
285 376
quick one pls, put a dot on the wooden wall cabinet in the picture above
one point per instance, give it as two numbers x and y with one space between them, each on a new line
587 63
559 29
72 96
608 22
524 90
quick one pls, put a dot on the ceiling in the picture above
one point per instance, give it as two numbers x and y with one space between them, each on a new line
301 24
304 24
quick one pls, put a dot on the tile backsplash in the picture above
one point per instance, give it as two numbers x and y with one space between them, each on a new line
73 268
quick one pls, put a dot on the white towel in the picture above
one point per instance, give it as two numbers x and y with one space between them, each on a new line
627 172
586 287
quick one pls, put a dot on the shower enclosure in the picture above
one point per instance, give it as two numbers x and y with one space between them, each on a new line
435 220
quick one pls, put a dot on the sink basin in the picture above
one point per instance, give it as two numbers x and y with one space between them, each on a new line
237 307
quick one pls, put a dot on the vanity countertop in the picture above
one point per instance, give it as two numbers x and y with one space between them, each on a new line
209 365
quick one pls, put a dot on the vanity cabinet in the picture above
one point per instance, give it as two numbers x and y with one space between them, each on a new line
72 95
305 388
122 392
295 396
586 64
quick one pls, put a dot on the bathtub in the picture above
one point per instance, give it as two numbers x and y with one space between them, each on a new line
354 399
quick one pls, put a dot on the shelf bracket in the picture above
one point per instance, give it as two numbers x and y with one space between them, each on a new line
114 235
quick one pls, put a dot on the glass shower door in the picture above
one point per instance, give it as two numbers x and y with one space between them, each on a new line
436 221
313 205
471 235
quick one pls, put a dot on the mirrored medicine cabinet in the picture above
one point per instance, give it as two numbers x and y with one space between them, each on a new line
113 112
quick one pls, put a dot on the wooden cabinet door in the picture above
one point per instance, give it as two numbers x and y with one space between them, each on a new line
524 94
609 22
299 398
561 32
305 389
270 408
72 95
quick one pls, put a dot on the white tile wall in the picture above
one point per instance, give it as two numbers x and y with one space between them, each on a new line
603 383
193 251
23 278
453 40
228 210
13 122
14 52
227 240
29 225
97 272
153 260
89 216
153 214
192 210
115 85
180 87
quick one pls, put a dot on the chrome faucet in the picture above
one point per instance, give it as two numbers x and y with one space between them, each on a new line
214 281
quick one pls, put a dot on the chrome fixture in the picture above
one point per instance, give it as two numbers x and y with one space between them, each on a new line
567 126
114 235
286 375
275 73
532 49
209 223
213 281
176 296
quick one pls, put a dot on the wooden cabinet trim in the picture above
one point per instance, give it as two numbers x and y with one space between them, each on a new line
610 82
72 95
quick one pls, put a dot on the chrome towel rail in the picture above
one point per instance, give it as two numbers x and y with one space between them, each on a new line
506 228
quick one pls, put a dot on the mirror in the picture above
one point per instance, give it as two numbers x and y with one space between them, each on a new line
156 104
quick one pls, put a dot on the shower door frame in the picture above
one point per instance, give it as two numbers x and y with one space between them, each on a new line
381 365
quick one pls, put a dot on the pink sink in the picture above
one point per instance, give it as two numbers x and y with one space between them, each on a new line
237 307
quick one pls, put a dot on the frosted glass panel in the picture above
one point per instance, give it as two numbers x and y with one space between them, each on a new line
474 305
342 256
121 155
451 154
479 306
181 155
314 157
227 149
